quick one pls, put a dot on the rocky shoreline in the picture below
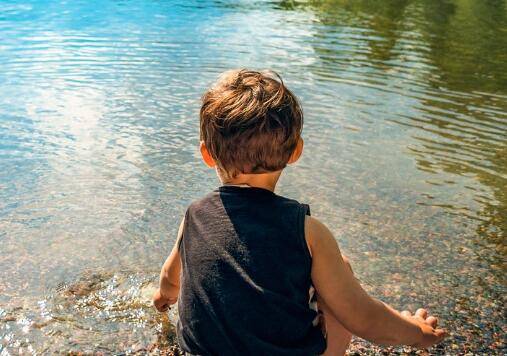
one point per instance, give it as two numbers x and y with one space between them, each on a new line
111 313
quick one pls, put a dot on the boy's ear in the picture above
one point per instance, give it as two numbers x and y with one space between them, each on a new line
297 151
206 156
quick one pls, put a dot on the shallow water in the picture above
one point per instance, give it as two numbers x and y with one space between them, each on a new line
405 154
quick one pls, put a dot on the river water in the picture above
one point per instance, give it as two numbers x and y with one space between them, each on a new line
405 155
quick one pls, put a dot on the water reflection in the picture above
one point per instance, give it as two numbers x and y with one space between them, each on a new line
450 57
406 133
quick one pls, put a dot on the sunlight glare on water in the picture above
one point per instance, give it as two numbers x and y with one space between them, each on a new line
405 154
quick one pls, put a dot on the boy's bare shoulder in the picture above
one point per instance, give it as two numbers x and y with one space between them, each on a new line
317 235
314 228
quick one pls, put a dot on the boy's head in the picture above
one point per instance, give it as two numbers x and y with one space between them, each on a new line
250 123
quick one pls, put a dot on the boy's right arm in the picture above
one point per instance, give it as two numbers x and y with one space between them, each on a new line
361 314
169 285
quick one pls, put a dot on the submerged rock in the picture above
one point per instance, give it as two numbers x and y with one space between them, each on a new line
86 285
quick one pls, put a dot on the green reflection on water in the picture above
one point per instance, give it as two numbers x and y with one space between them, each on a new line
463 47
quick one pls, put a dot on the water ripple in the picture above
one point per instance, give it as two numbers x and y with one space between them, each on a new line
405 151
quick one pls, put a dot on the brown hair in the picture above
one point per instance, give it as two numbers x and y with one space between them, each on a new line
250 122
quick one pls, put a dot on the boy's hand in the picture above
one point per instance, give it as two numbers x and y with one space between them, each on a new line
430 334
162 303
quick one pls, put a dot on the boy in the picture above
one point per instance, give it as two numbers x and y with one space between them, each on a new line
246 260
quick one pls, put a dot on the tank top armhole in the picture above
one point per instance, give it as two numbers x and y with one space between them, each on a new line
185 223
304 210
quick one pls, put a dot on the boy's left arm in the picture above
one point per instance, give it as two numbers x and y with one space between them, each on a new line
169 287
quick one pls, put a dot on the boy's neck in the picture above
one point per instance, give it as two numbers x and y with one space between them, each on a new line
261 180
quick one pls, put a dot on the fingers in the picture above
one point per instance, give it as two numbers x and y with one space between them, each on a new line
432 321
441 333
161 304
161 307
428 324
422 313
406 313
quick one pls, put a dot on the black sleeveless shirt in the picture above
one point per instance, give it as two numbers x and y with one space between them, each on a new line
246 276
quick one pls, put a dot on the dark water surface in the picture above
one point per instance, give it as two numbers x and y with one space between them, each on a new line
405 157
